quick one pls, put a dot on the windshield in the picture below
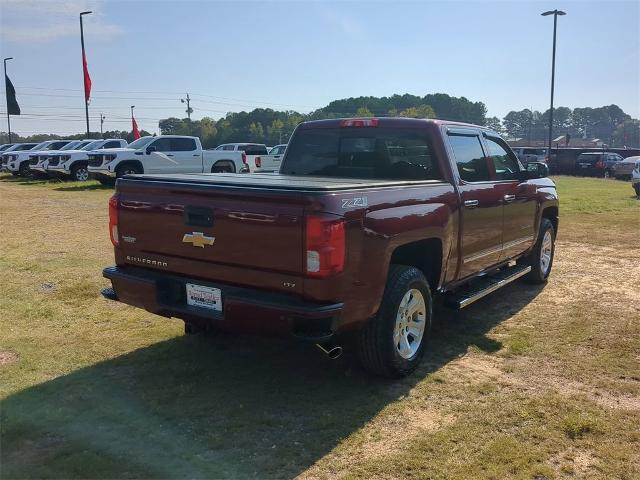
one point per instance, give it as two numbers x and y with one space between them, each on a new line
71 145
140 143
5 147
26 146
41 146
381 153
92 145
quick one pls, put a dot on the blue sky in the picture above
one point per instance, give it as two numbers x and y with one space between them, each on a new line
300 55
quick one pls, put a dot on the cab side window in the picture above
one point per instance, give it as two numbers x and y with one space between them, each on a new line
506 164
111 144
470 159
182 144
162 145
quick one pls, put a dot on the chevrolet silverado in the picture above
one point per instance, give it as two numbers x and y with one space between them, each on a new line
368 223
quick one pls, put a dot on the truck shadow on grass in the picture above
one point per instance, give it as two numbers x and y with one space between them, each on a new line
217 407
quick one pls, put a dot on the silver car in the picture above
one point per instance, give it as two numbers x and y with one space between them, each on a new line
623 170
531 154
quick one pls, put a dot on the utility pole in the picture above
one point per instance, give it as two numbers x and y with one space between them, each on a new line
555 14
86 93
189 109
102 119
5 87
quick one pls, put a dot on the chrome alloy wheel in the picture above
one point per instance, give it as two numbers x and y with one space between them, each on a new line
546 252
410 323
82 174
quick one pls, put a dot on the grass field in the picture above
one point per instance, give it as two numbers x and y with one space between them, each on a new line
530 382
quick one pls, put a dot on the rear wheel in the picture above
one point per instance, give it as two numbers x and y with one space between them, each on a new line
80 173
127 170
223 167
192 328
392 343
541 258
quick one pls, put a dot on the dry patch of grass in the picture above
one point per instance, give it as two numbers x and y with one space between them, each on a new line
527 383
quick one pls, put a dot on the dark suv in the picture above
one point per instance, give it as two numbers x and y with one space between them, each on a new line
597 164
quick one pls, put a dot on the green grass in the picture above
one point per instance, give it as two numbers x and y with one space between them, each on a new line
527 383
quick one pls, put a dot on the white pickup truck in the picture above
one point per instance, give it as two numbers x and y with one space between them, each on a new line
252 152
10 156
73 163
38 157
164 154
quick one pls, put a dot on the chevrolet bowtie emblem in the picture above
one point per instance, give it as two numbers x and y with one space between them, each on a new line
198 239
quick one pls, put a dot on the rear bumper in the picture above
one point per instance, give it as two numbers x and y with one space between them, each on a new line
245 310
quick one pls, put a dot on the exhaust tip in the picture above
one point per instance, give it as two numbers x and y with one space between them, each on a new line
333 352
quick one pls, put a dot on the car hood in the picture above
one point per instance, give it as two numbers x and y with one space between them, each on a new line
114 150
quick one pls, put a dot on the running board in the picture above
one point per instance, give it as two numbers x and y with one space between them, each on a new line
483 286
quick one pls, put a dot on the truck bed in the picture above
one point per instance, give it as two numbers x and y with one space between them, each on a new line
275 181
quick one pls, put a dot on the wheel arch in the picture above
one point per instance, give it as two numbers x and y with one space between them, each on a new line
426 255
551 213
125 163
224 161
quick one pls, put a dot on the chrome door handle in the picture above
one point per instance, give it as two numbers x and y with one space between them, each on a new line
471 203
169 155
509 198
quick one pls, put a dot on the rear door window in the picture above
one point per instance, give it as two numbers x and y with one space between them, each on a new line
380 153
228 147
182 144
470 159
111 144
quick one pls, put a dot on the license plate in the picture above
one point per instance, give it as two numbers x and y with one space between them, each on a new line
204 297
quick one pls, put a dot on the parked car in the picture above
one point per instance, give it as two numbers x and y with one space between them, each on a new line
11 158
251 150
368 221
73 163
623 170
271 162
597 164
635 177
164 154
530 154
5 146
39 158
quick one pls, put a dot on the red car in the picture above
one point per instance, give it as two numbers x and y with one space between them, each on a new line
367 223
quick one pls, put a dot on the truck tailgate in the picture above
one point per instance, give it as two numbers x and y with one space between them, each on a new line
216 225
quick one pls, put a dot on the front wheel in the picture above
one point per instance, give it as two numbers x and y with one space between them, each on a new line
636 187
392 343
127 170
541 258
80 173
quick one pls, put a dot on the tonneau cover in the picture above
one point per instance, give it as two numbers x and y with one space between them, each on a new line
276 181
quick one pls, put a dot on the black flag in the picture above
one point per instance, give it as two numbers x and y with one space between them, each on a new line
12 104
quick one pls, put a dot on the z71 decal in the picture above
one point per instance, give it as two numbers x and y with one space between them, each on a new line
354 202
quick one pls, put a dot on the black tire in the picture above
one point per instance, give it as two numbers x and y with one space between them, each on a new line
223 167
127 170
106 181
540 274
191 328
377 350
79 173
23 170
636 187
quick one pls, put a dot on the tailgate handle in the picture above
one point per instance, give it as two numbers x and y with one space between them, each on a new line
198 216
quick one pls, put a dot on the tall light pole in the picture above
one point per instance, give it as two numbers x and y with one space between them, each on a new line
555 14
5 86
189 109
86 93
102 119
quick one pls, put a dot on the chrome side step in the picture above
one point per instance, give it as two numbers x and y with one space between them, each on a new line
482 287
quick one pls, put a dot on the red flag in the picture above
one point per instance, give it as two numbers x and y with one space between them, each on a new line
134 127
87 78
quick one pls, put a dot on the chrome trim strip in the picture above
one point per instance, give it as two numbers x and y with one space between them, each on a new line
468 301
491 251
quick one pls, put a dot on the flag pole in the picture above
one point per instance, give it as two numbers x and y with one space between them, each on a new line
7 98
86 96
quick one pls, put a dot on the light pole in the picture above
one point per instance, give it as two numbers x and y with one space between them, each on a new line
5 87
189 109
102 119
555 14
84 72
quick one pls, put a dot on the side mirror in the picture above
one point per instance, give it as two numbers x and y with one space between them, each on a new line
151 148
537 170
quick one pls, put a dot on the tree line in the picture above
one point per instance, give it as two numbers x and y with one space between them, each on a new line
264 125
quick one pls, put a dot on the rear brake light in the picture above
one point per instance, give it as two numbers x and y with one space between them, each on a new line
359 122
244 158
258 161
325 245
599 164
114 203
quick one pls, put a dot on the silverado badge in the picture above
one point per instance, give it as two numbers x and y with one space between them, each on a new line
198 239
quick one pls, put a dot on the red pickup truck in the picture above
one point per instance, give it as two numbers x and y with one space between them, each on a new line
368 222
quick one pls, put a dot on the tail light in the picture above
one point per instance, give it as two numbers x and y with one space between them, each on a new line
599 164
258 161
114 203
359 122
325 245
244 158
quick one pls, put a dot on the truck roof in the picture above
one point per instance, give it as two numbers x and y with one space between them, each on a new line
388 122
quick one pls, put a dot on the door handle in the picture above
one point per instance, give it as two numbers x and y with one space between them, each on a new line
509 198
169 155
471 203
195 155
